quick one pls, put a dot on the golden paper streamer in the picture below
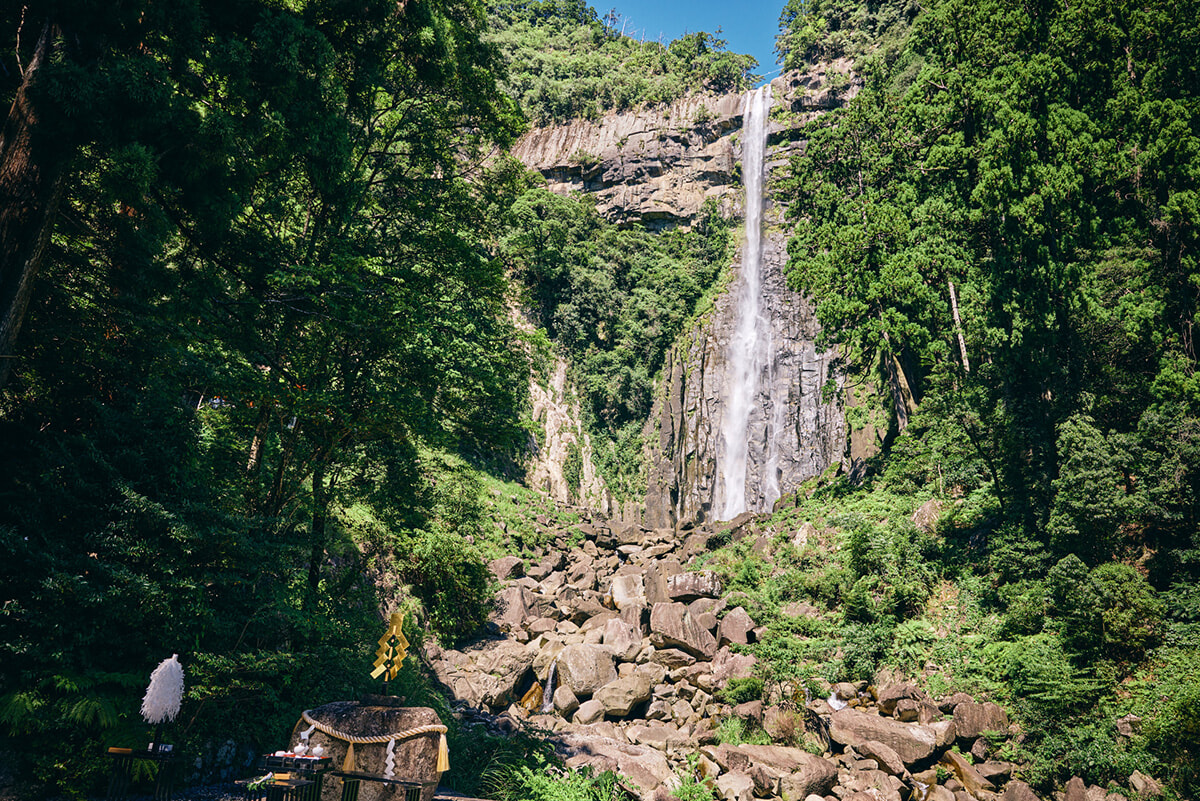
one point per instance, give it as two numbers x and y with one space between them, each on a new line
350 765
393 647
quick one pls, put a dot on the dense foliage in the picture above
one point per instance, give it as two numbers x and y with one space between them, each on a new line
1041 174
565 62
1003 223
613 300
812 31
264 301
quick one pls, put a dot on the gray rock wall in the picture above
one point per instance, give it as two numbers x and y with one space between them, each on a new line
684 440
656 167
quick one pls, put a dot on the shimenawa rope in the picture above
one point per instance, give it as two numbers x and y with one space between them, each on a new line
443 761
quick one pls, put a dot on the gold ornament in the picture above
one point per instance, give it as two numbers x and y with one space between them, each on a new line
393 647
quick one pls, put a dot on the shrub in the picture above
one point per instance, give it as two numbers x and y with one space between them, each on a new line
451 578
1111 610
864 648
690 788
740 691
735 731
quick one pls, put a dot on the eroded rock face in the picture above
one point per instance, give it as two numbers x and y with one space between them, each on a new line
685 442
656 166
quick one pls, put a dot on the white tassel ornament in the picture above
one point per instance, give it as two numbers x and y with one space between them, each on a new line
165 693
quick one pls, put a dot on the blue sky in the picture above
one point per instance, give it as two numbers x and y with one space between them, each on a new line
748 25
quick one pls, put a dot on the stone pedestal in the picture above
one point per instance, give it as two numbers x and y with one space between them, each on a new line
415 759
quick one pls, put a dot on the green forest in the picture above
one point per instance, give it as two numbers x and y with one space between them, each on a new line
263 382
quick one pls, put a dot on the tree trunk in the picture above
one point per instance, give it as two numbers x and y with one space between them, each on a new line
260 435
320 512
31 181
962 343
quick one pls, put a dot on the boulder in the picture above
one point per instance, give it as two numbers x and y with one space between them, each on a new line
869 784
628 590
892 694
912 742
488 674
582 577
948 703
414 759
751 712
672 658
736 627
585 668
507 567
996 772
817 779
512 607
645 767
966 773
565 702
622 639
551 564
589 712
656 575
658 737
735 786
1129 725
888 760
620 696
799 609
801 773
672 626
845 691
1075 790
693 585
1018 791
634 614
906 710
727 665
972 719
1144 786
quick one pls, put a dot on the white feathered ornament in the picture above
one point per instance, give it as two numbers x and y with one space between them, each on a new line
163 696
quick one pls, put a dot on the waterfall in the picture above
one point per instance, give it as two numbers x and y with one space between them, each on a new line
749 347
548 693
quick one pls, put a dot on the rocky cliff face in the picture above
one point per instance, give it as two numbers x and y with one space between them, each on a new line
561 464
684 441
657 167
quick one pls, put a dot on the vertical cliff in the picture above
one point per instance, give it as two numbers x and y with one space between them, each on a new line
684 442
656 167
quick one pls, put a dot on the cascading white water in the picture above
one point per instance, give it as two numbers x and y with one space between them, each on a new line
748 348
548 693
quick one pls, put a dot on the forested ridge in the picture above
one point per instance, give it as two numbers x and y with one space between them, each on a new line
1005 218
261 379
